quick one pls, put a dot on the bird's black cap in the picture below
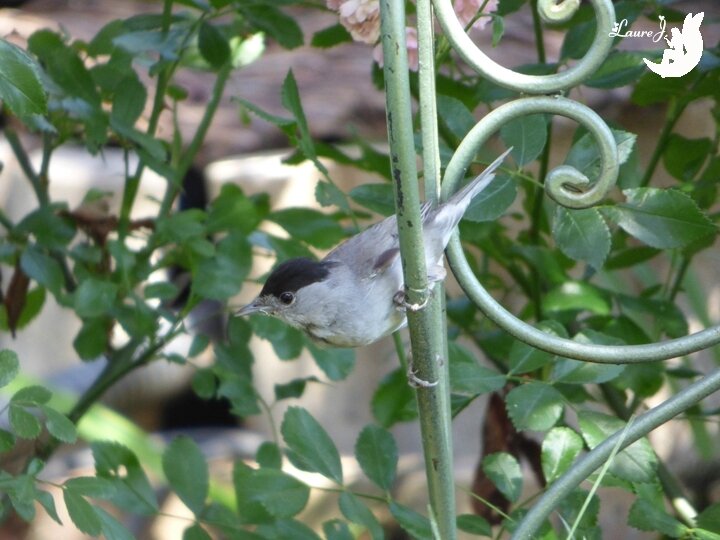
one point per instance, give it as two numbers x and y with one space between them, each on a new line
295 274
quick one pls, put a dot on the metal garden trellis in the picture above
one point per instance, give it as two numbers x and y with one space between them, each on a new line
565 185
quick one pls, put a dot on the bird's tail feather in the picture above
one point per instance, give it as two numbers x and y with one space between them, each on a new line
464 196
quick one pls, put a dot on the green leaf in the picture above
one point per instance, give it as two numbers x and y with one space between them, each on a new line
128 101
415 524
310 226
631 256
287 528
560 447
472 524
42 268
92 339
312 448
661 218
330 36
9 366
248 510
468 377
492 202
377 454
48 503
336 364
94 297
455 115
582 511
91 486
582 235
709 519
213 46
498 29
204 383
646 516
231 209
356 512
67 70
119 464
328 194
577 295
393 400
570 371
187 472
376 197
82 513
281 27
292 389
534 406
112 529
282 495
195 532
49 229
223 275
683 157
637 463
241 393
287 342
290 98
525 358
20 87
620 68
59 425
585 156
268 456
31 396
7 440
337 530
34 301
526 135
504 471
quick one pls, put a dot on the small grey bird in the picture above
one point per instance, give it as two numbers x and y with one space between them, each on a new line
355 295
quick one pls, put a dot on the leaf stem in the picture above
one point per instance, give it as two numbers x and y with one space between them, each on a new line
675 110
190 153
27 167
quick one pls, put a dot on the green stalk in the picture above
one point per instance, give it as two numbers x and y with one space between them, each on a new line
23 159
425 324
132 184
189 155
674 112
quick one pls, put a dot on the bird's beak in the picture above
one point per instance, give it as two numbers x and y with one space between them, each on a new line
253 307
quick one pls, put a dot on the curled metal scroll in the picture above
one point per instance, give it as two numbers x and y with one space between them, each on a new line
561 185
550 11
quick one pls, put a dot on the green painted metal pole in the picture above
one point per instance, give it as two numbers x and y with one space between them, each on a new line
429 351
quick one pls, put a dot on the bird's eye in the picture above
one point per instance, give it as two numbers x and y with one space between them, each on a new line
287 298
